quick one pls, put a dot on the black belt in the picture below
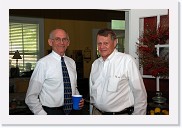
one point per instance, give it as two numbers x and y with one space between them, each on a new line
128 111
54 108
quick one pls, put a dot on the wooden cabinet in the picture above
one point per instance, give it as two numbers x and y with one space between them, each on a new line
18 85
17 92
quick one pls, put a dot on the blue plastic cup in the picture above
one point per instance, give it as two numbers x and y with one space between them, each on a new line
76 100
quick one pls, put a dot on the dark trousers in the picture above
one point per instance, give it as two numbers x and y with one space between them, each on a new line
59 111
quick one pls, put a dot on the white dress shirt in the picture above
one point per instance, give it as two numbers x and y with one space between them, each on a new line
116 84
46 85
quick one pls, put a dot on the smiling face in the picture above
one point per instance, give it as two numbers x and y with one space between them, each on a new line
106 45
59 41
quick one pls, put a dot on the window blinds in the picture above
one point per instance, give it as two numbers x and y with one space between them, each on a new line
24 38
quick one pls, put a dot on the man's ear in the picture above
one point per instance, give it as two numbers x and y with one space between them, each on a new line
68 43
50 42
115 42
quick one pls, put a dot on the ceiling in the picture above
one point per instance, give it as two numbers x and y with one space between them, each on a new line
70 14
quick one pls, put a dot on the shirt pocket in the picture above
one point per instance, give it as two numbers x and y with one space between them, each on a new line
113 83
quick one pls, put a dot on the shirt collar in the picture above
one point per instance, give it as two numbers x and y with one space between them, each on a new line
57 56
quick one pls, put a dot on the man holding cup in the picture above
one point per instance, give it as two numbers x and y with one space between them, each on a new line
54 80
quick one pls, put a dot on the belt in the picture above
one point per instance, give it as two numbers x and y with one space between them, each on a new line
128 111
54 108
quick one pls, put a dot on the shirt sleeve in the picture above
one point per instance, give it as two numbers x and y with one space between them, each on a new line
91 99
138 89
35 86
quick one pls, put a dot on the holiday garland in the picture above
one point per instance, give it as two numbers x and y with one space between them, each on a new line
155 65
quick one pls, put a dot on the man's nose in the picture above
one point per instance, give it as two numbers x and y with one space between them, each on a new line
61 41
102 46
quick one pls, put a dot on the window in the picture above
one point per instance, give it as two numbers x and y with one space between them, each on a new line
118 26
121 39
154 49
25 35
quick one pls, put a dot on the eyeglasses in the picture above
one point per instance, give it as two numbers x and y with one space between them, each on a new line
58 40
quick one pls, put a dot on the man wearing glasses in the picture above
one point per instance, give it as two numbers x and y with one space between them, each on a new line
45 94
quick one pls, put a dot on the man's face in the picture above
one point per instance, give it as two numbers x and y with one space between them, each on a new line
105 45
59 42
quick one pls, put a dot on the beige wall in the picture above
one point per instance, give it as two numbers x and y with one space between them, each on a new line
80 33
